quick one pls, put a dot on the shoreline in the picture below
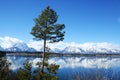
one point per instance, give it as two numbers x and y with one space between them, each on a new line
39 54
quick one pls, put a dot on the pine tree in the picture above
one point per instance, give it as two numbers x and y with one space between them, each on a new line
5 72
26 72
47 29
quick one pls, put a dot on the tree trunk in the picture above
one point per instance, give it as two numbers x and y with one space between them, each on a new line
43 62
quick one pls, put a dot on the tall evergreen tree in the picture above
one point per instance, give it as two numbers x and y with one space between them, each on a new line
47 29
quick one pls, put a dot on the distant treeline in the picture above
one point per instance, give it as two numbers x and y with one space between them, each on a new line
39 54
2 53
35 54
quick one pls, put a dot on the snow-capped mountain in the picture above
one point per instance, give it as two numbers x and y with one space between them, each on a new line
78 48
1 48
17 49
56 50
90 51
13 44
13 49
71 49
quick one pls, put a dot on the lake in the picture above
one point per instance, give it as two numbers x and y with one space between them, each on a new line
77 68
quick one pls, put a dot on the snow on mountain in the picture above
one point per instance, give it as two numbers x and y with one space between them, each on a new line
56 50
13 49
31 50
13 44
72 50
1 49
73 47
7 42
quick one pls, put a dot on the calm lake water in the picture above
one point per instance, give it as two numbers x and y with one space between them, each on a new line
77 68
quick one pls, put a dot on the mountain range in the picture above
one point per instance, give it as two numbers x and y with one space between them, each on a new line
14 44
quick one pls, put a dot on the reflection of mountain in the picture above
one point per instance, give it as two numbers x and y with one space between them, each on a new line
69 62
16 62
13 44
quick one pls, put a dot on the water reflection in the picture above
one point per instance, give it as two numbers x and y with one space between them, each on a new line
70 62
77 68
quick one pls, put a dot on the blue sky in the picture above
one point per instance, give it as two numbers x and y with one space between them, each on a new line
85 20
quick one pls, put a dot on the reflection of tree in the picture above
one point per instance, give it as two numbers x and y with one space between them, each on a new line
25 73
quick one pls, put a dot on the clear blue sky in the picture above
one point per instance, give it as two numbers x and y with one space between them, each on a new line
85 20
